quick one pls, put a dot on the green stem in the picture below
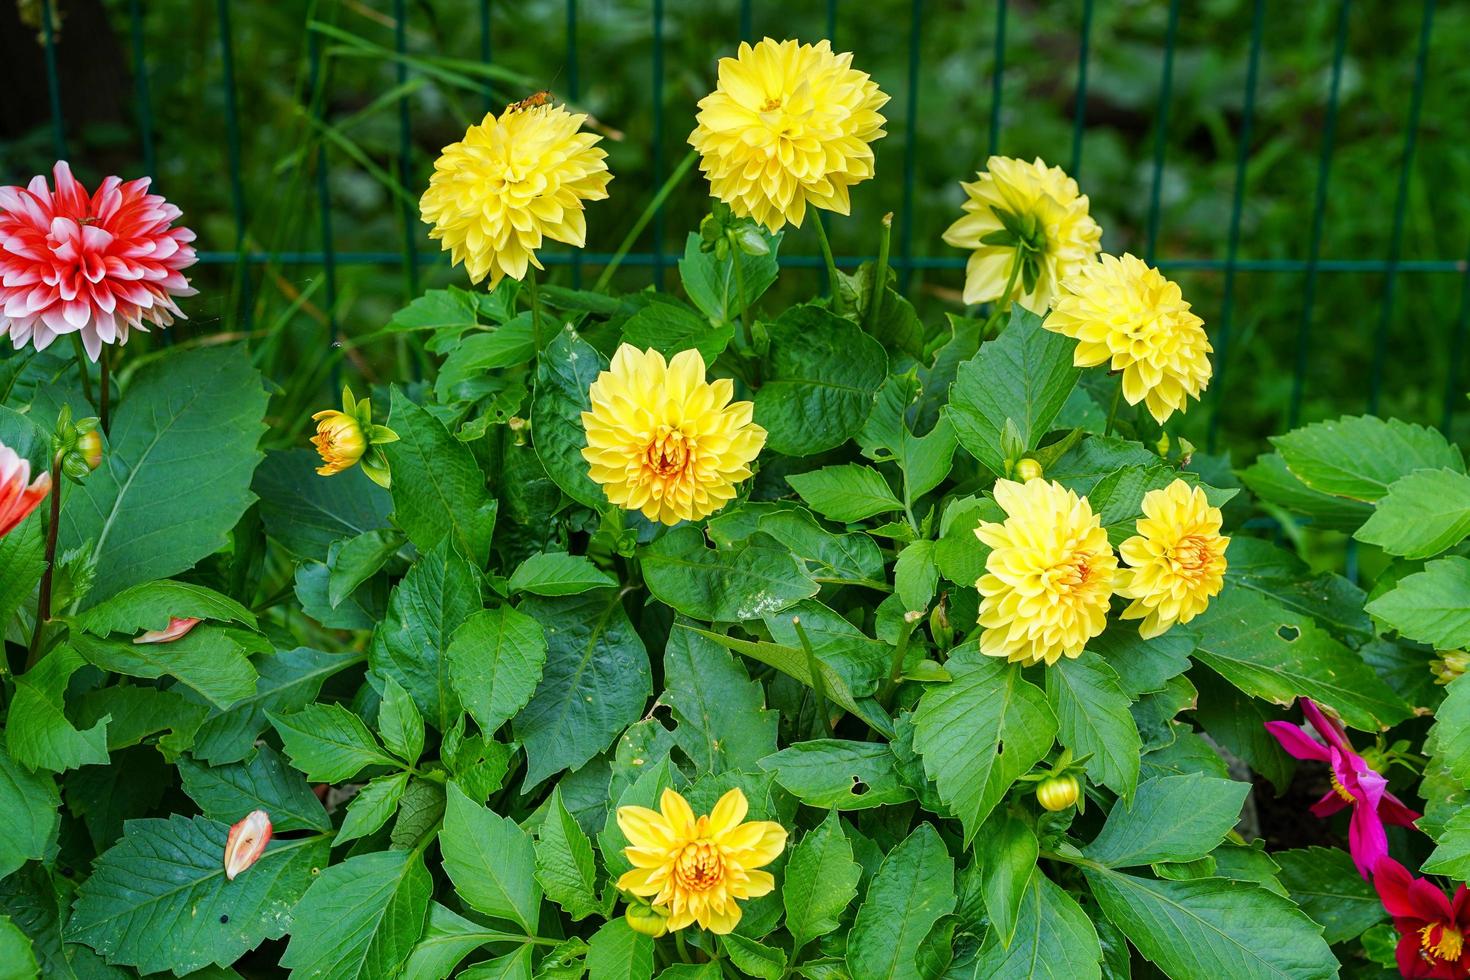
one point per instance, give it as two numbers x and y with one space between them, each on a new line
105 395
880 280
1005 302
1113 412
43 605
683 947
535 298
675 179
1079 861
900 651
82 363
819 683
745 332
826 247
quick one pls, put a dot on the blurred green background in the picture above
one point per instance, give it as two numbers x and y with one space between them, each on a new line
144 84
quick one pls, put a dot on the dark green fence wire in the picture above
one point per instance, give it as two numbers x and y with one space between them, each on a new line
245 258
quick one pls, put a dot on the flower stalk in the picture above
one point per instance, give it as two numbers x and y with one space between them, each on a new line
819 683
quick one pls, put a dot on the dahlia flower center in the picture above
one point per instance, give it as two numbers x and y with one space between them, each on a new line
1192 555
1441 941
771 104
1072 574
669 453
700 866
1342 791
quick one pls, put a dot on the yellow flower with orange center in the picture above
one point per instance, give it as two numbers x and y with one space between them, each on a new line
1126 314
663 440
513 181
1026 225
787 125
697 869
1049 574
1177 559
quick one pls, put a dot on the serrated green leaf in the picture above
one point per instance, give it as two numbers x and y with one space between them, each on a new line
159 899
22 563
915 576
668 326
721 713
1269 479
912 889
30 807
1359 457
329 743
1007 873
960 728
150 605
495 662
712 284
1432 606
829 772
722 585
360 918
372 807
448 938
1450 735
260 782
490 860
851 557
821 881
1053 939
399 723
846 493
616 952
1172 818
1423 514
565 867
211 661
37 732
1091 707
556 573
354 560
308 513
17 960
753 958
564 374
1325 884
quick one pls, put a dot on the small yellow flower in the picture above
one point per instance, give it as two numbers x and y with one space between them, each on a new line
511 182
1124 312
1026 213
662 440
1049 574
1177 559
346 438
787 125
697 869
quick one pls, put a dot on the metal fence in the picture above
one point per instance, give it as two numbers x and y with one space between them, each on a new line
908 259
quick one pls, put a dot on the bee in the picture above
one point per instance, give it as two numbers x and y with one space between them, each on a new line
531 101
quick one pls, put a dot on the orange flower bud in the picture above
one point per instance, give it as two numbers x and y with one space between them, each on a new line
247 842
176 628
339 440
89 444
1058 792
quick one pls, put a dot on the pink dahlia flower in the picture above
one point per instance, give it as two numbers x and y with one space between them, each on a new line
101 264
18 494
1354 784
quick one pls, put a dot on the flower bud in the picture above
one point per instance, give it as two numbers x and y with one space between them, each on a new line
940 628
176 628
648 920
246 842
89 445
1449 665
339 440
1028 469
1057 793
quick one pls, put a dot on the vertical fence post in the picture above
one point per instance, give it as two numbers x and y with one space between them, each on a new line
1453 392
317 90
910 153
997 74
485 51
232 141
53 82
658 140
1400 208
1161 133
832 21
1319 211
140 85
1232 246
405 155
574 92
1079 113
746 29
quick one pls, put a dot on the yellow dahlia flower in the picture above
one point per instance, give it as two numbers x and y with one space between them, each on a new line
512 181
1123 312
697 869
662 440
348 438
1026 225
787 125
1048 577
1177 559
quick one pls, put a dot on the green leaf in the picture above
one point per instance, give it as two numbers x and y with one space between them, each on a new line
37 732
399 723
1422 514
1450 735
829 772
980 732
511 966
846 493
1144 666
260 782
490 860
355 560
565 866
669 327
616 952
1213 927
22 563
437 596
556 573
159 899
1432 606
1023 376
360 918
1238 722
1093 719
595 683
646 790
448 938
958 554
482 352
565 372
329 743
820 882
211 661
30 807
495 662
753 958
438 488
1053 938
437 309
712 284
1328 888
912 889
1269 479
1006 875
176 477
1172 818
307 513
372 807
17 960
823 374
915 576
149 606
1360 456
1271 652
722 585
852 557
1451 856
721 713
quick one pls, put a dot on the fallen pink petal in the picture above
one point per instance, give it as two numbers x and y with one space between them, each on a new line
247 842
176 628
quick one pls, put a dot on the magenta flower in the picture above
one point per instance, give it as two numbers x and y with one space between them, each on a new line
1354 784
